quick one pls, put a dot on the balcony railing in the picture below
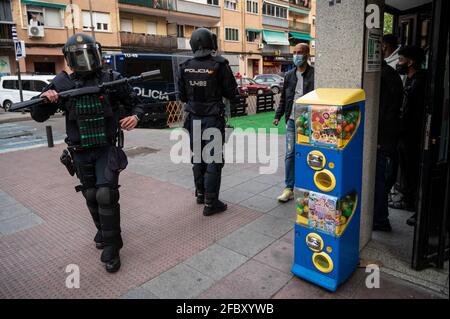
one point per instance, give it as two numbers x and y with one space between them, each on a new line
305 4
154 4
198 8
6 35
148 41
274 21
183 44
300 26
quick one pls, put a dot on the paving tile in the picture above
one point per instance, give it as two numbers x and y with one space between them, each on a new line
13 210
274 192
279 255
6 200
285 210
252 187
234 196
271 226
301 289
233 180
260 203
272 179
246 242
253 280
180 282
139 293
18 223
392 288
289 237
216 261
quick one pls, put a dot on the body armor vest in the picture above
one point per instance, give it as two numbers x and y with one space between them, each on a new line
201 78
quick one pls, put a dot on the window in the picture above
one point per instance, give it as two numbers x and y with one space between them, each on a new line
231 4
101 21
213 2
43 16
180 31
274 11
151 27
252 36
126 25
5 11
231 34
252 6
38 86
26 85
10 84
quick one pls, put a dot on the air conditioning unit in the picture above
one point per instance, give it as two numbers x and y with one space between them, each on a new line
36 31
260 45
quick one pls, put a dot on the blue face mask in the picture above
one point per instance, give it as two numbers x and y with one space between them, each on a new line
298 60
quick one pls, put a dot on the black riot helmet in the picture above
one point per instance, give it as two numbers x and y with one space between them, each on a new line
202 42
83 54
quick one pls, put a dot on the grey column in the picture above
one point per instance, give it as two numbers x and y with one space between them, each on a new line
340 63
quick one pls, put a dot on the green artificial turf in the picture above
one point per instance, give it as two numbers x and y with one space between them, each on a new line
261 120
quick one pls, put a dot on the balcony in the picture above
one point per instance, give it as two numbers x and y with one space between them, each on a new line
153 4
6 40
300 26
303 4
148 41
183 44
198 8
275 22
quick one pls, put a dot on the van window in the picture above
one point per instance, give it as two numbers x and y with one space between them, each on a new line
39 86
10 84
26 85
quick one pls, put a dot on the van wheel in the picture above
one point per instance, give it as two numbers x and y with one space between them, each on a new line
7 105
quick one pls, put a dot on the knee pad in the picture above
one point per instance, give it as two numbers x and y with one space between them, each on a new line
107 196
91 195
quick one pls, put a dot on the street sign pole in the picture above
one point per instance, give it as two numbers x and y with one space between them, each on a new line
20 53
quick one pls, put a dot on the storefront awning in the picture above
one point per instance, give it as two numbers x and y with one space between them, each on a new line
43 4
275 37
253 30
300 36
299 11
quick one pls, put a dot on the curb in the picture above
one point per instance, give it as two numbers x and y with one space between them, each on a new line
24 118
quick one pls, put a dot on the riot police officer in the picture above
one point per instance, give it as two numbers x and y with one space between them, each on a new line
204 81
93 124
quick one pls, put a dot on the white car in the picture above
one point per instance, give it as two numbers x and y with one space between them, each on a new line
32 85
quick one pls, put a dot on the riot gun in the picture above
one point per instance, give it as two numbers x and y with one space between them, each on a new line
146 76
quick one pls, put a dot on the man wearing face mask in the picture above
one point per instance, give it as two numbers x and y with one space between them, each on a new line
297 82
411 123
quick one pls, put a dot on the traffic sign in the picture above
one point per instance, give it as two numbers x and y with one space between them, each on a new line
20 49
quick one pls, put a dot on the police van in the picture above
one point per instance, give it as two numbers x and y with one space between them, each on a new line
158 94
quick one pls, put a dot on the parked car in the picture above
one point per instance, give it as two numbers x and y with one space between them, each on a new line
252 87
32 85
273 80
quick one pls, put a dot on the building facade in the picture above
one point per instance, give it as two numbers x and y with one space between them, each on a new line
256 36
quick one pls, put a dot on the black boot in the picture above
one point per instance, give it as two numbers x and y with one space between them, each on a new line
111 258
98 239
200 197
213 206
412 221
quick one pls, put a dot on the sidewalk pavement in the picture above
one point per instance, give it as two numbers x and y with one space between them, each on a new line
171 250
10 117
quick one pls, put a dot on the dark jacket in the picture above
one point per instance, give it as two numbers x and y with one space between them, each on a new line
413 110
288 91
202 84
391 98
123 101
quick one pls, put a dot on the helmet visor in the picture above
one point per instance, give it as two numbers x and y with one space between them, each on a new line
84 58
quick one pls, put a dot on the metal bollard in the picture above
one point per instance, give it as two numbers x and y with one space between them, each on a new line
49 136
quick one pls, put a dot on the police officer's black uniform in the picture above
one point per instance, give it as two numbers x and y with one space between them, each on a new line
92 127
203 81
